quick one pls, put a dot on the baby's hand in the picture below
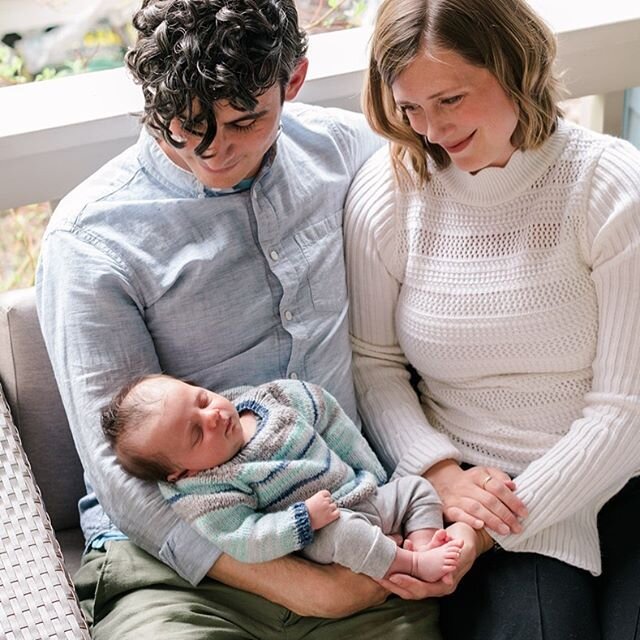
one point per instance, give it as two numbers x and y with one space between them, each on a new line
322 509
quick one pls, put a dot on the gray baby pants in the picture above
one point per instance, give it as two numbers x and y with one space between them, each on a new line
358 539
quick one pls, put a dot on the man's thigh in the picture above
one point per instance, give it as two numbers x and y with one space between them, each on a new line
396 619
127 594
521 596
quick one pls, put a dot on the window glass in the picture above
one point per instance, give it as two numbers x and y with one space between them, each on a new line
44 40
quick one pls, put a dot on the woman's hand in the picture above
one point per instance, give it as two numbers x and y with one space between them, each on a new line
480 497
410 588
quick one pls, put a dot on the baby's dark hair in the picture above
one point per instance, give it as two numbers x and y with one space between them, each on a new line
128 410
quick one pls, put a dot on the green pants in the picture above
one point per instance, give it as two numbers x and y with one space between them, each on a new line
128 595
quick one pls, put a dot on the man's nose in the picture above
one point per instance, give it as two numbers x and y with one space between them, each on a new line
218 147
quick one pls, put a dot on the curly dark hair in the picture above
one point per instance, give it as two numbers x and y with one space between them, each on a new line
192 53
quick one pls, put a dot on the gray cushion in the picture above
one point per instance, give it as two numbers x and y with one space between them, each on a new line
32 393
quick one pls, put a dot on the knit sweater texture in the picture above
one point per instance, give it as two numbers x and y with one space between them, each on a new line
515 295
252 506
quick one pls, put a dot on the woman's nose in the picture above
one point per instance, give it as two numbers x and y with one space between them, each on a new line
435 130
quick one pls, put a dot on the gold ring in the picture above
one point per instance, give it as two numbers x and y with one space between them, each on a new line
484 482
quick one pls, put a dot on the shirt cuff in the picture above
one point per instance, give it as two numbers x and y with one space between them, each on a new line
189 554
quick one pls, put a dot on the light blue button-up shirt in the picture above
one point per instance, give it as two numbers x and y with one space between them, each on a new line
142 271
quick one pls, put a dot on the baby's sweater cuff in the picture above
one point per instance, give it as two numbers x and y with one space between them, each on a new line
302 523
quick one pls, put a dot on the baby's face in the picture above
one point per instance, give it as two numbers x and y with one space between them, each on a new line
194 428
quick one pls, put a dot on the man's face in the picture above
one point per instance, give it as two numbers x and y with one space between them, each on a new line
242 138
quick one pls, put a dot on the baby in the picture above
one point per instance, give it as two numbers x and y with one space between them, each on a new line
265 471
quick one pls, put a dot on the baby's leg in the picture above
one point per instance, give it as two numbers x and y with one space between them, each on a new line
355 542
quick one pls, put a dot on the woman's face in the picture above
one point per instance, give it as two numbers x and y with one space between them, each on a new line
458 106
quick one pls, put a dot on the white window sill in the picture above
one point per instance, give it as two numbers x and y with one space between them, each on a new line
55 133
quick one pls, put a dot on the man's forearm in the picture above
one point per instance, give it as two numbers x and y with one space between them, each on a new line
308 589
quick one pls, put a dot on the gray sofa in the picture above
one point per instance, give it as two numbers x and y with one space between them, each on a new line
31 393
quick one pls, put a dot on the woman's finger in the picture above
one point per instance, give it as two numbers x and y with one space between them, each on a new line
457 514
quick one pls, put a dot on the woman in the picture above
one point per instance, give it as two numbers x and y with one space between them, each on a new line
494 252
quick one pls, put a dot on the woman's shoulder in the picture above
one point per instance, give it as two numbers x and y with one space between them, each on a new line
375 173
371 200
594 147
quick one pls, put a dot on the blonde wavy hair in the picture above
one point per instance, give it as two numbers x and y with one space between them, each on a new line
506 37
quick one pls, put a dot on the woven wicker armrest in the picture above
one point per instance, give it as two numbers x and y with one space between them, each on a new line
37 598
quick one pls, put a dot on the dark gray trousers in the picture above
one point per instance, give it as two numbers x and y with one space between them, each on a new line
525 596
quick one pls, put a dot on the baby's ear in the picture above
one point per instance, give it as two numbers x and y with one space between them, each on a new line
176 475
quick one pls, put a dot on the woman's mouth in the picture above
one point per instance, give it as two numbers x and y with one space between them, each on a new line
459 146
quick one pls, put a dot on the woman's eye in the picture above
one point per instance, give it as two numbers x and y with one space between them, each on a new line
450 101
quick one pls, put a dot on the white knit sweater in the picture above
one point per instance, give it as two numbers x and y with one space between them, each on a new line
515 294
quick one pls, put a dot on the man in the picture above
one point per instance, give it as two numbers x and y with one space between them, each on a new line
210 250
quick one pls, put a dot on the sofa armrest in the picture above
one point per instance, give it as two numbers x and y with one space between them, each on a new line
37 598
33 398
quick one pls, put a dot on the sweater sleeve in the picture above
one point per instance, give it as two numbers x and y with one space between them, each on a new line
566 487
394 420
341 434
395 423
225 513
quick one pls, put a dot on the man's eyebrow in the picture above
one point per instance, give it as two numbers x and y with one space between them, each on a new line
253 115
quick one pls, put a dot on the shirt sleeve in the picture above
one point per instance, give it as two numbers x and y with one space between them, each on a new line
395 423
93 325
566 487
357 139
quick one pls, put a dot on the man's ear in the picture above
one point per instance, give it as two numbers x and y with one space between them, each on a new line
296 80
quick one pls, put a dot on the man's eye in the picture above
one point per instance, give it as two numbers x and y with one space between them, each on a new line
244 126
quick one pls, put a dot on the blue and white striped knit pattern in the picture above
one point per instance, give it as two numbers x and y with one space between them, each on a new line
252 507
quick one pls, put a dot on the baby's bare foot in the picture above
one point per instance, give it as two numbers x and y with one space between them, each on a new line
439 538
435 564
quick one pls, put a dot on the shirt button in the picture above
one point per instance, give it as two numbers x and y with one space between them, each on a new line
293 375
274 255
288 315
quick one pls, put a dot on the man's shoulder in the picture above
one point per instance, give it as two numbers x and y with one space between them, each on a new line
313 114
110 182
328 120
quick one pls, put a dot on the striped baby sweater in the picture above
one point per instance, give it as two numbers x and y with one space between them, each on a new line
252 507
515 294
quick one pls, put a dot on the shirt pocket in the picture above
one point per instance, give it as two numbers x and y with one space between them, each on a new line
322 249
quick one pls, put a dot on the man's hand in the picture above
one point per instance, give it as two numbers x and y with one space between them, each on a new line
410 588
322 509
480 497
308 589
